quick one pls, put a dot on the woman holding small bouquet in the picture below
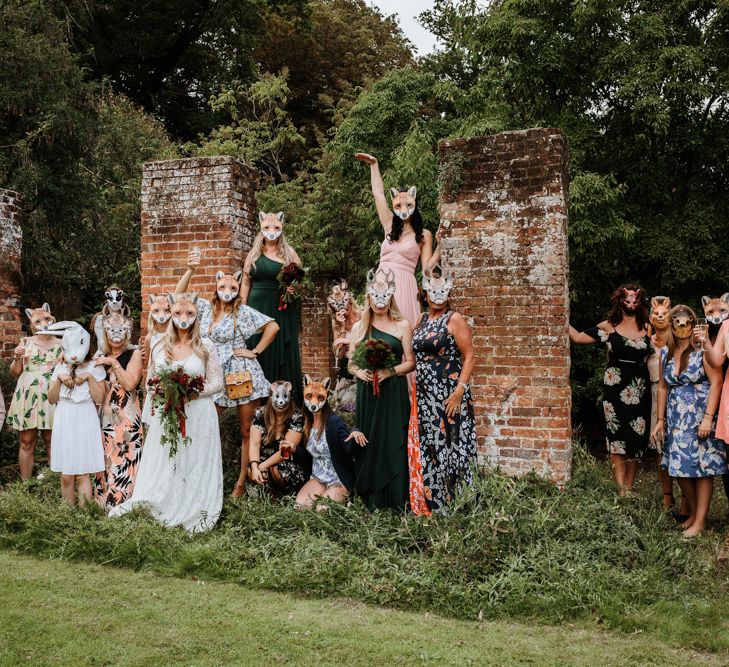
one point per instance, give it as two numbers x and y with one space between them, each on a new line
381 356
180 478
272 284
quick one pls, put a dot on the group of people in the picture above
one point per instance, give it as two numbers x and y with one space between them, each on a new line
414 441
664 388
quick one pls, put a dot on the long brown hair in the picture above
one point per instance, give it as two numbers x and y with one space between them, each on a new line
616 315
680 309
276 420
325 412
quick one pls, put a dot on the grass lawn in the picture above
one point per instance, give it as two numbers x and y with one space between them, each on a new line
56 612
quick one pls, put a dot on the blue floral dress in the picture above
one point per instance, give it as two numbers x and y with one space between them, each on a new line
684 453
227 336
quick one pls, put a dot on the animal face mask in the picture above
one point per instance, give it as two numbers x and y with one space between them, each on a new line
630 300
716 310
118 328
660 313
40 318
75 341
159 308
280 395
271 224
381 286
403 203
682 325
316 393
114 299
438 288
227 285
339 297
184 310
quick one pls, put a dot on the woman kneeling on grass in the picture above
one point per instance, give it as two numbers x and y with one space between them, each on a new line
688 397
331 445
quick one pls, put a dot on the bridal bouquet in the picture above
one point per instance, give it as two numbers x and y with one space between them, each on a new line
291 275
374 354
171 389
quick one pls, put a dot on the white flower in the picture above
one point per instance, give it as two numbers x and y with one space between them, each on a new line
612 376
638 425
639 344
602 335
632 393
611 420
617 447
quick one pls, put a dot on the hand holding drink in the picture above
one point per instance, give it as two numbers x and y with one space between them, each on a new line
286 449
193 256
701 332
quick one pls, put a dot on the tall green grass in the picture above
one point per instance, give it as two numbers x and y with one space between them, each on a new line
517 548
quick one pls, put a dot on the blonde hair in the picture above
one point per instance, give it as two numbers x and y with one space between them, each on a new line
218 304
365 322
283 250
171 336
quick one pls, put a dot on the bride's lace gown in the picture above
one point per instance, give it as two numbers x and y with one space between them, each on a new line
186 490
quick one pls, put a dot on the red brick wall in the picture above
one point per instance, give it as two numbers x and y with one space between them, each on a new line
208 202
317 358
10 271
504 202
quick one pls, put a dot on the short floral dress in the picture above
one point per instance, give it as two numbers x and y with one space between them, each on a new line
29 407
294 471
626 398
228 335
121 429
322 469
447 444
684 453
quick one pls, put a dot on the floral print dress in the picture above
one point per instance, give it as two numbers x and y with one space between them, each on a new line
447 444
294 471
121 429
29 407
227 335
684 453
626 398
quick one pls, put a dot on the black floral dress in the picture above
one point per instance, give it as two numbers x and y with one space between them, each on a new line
626 397
447 444
296 470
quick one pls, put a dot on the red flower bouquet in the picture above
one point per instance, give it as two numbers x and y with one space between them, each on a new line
171 389
291 275
374 354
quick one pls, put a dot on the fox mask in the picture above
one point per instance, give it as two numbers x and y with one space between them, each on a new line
316 393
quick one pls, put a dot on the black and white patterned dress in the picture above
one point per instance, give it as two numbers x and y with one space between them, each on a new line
447 444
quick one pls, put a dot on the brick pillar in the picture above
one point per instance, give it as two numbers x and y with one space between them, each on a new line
10 271
504 210
208 202
317 358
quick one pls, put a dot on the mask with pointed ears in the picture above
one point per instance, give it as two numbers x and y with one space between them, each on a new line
271 224
316 393
181 317
438 288
227 285
403 203
280 395
40 318
381 286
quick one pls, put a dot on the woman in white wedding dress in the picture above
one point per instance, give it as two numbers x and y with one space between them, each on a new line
186 490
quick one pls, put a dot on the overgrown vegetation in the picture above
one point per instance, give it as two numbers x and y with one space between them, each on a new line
517 548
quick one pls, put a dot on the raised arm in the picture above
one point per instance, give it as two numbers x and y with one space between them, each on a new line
378 190
193 261
715 354
583 338
426 250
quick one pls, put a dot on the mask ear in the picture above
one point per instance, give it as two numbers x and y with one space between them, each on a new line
413 192
307 379
705 300
654 303
219 275
171 298
261 216
288 386
725 297
280 216
326 382
46 307
29 312
193 297
394 192
151 298
271 389
237 276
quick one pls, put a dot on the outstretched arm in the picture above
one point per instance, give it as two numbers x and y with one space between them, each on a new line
583 338
193 261
715 354
378 190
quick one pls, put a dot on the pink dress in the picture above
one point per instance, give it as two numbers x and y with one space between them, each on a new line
722 420
402 257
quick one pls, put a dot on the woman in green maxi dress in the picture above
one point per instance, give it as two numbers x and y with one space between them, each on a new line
261 291
381 466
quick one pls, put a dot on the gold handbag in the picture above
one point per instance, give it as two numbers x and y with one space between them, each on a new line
239 384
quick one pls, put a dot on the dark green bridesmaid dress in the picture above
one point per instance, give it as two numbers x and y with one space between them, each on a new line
281 360
381 467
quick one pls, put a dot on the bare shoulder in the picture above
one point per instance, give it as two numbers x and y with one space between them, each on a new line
604 325
295 257
427 235
403 327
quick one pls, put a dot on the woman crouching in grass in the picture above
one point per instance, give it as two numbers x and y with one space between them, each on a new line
331 445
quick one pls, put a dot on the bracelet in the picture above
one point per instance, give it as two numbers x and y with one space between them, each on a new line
709 414
660 419
465 385
250 463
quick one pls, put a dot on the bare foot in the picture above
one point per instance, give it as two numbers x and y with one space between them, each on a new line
688 523
693 531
